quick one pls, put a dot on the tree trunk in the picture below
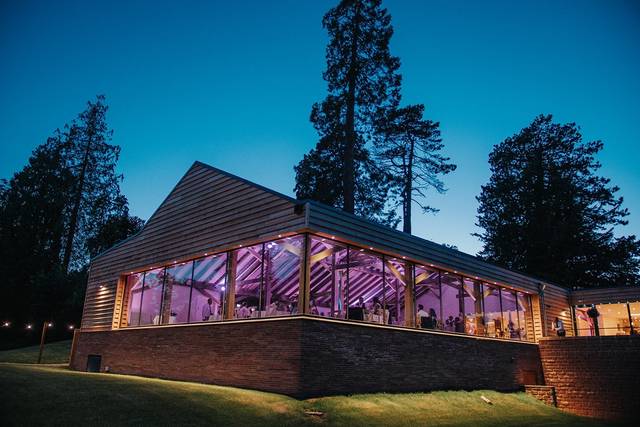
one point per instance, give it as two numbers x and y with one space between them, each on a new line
348 172
407 192
77 201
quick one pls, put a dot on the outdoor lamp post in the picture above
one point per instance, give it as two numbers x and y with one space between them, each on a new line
45 326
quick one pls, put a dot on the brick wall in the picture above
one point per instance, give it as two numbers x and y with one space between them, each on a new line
545 393
594 376
306 357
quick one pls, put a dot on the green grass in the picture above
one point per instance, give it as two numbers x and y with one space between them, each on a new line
55 352
54 395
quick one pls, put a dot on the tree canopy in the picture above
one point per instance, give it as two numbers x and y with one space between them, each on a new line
546 211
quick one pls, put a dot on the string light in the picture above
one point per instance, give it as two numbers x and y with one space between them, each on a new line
49 325
29 326
6 324
71 327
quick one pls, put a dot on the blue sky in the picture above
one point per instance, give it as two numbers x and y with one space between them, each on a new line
231 84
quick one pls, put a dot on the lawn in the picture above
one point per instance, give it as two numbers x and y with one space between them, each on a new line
55 352
54 395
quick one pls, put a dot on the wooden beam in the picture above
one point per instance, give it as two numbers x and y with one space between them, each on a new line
230 288
304 292
409 302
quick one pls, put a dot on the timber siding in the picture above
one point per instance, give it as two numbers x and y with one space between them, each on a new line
606 295
207 210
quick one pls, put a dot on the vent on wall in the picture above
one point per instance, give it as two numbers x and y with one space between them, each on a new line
93 362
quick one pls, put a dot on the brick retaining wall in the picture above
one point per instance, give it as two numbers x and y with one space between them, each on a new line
544 393
594 376
305 357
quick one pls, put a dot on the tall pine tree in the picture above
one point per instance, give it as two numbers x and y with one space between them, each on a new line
92 159
408 147
546 212
362 78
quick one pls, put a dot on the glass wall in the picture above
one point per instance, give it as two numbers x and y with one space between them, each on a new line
472 307
283 262
152 297
525 317
135 283
428 298
177 292
492 311
249 272
328 278
208 294
345 282
366 290
452 316
608 319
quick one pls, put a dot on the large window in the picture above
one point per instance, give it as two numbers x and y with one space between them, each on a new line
345 282
452 310
397 277
366 299
177 291
493 311
611 319
525 317
283 262
427 295
472 307
208 295
249 271
134 291
328 278
152 297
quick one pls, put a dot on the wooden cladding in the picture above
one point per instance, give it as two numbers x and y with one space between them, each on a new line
208 209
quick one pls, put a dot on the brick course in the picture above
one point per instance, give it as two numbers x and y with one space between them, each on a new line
594 376
305 357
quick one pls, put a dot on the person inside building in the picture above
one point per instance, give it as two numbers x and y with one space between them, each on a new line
422 317
558 326
207 310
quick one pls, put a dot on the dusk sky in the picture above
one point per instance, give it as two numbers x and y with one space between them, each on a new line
232 83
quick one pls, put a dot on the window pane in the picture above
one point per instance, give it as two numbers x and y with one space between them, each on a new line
510 314
524 316
177 287
451 303
492 311
134 286
152 297
328 279
427 294
585 323
249 269
635 317
472 304
366 290
613 319
395 288
209 287
283 259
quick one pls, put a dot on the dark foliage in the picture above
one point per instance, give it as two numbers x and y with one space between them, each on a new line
546 212
407 147
62 207
362 78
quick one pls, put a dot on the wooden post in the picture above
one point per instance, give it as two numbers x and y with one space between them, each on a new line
42 337
230 290
409 303
304 292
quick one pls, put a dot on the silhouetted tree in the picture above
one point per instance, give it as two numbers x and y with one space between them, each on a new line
546 212
92 160
32 226
408 149
362 78
115 229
